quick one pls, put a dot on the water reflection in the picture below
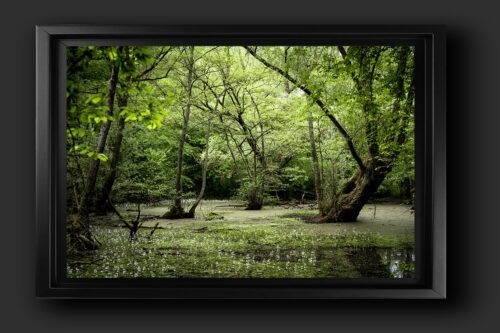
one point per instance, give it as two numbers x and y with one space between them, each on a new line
401 262
369 262
384 263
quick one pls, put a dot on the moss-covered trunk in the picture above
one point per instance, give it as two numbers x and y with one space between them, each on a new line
356 193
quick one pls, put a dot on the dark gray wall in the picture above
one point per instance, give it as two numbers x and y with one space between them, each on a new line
473 143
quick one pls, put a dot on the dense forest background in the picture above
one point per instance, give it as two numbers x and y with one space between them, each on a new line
261 125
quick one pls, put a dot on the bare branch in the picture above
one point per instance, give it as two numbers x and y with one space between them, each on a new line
155 63
120 216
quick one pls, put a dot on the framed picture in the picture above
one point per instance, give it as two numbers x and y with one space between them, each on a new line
241 162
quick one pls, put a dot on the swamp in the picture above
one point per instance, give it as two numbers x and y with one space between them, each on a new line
240 162
227 242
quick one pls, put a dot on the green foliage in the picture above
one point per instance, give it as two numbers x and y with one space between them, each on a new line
254 103
251 191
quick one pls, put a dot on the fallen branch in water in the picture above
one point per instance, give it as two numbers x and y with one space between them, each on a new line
153 230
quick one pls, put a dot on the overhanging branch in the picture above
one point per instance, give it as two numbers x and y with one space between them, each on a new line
318 102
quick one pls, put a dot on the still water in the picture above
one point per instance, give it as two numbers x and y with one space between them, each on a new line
369 262
384 263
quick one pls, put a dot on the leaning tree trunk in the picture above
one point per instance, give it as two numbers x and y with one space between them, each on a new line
204 168
177 211
103 205
355 194
365 183
81 237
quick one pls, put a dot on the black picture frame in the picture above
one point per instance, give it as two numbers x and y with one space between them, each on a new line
430 132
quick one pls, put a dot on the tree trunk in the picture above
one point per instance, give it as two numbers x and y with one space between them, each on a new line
364 183
314 156
81 237
103 206
205 161
255 200
355 194
258 202
204 168
255 197
86 203
176 211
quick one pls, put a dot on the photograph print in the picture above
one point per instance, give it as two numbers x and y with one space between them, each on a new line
240 162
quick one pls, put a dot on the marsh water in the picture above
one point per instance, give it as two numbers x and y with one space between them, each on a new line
273 242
